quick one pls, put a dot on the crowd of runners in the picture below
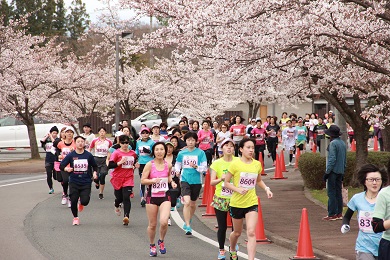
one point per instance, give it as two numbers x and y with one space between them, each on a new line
172 162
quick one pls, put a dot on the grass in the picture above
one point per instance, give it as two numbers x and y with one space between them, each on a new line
322 196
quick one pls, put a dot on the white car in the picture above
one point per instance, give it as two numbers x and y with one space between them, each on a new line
151 117
13 133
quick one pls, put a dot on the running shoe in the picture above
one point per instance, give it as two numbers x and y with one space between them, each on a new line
76 221
172 208
169 222
125 221
51 191
143 202
96 183
69 204
132 195
64 200
233 255
221 254
101 196
153 250
188 230
161 246
117 211
80 207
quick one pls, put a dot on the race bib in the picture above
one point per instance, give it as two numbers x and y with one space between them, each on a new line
48 147
161 186
273 133
364 221
101 150
226 192
173 173
128 163
247 180
206 140
301 132
236 131
65 152
320 132
80 165
141 150
188 160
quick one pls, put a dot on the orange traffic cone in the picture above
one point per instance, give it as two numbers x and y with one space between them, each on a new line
262 164
353 145
278 171
210 212
229 220
260 234
305 248
314 148
297 155
206 189
376 148
282 164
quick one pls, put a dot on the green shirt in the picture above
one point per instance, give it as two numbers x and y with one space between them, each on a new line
382 208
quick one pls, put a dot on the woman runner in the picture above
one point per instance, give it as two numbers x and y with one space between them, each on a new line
157 176
246 174
47 145
272 139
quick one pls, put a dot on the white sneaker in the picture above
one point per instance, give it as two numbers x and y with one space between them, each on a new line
289 164
69 203
64 200
169 222
117 211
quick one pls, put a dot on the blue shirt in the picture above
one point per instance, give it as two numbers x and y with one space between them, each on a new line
142 149
337 156
367 242
82 165
190 174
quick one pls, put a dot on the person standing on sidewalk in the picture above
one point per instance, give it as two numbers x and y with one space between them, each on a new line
81 167
373 179
335 168
246 175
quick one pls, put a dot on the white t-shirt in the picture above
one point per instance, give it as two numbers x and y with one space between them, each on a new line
223 136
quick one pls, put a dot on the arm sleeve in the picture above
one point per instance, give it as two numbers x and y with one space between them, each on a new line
112 165
93 163
55 143
347 216
377 225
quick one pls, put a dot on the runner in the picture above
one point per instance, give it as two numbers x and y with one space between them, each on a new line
301 136
372 179
143 150
101 146
47 145
192 161
205 138
289 135
238 132
222 195
157 175
65 147
272 130
246 174
79 165
319 130
258 133
122 161
283 121
88 135
174 193
156 137
222 135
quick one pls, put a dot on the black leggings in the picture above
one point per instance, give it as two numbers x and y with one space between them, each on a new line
123 195
259 149
222 226
140 170
209 155
272 144
79 191
50 173
175 193
65 182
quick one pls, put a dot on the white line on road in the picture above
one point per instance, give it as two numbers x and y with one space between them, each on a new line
23 182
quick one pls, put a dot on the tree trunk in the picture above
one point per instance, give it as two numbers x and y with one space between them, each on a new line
253 109
361 138
164 116
250 109
33 140
386 137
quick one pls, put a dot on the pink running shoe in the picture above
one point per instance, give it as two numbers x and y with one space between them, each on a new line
76 221
80 207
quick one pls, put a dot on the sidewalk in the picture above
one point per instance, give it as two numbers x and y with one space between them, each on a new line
282 216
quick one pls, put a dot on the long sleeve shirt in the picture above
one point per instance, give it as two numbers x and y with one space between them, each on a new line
337 157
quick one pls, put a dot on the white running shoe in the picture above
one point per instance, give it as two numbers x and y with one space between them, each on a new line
117 211
69 203
64 200
169 222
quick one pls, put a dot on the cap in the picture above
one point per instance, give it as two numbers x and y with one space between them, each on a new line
69 128
226 119
118 133
155 125
330 111
185 128
54 128
253 120
169 143
145 129
87 125
191 121
227 140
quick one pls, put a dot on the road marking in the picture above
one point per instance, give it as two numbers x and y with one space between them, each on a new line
23 182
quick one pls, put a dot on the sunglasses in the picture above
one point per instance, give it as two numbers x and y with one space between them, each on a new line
124 142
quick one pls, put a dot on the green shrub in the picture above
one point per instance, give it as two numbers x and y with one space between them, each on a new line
312 167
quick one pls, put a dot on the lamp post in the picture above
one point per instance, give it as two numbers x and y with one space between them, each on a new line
117 110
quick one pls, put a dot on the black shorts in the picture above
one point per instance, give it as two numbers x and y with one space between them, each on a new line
157 200
239 213
192 190
384 249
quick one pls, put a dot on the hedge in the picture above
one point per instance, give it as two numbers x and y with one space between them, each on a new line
312 167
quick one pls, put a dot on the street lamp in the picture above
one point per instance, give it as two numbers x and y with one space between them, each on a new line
117 112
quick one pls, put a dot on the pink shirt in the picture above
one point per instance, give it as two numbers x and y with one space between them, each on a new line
205 138
163 184
123 175
237 131
259 134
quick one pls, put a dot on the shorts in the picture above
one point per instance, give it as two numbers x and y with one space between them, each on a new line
102 166
239 213
384 249
192 190
365 256
157 200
